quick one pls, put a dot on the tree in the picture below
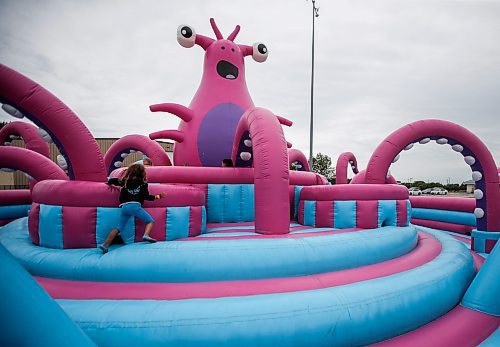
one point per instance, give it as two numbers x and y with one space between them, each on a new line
322 164
2 124
452 187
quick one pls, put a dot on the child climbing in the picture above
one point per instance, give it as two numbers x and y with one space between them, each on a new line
132 195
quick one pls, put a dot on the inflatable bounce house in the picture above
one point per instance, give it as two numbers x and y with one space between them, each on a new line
254 255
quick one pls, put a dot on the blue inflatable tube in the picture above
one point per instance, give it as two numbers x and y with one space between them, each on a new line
456 217
492 341
14 211
356 314
212 260
29 315
483 293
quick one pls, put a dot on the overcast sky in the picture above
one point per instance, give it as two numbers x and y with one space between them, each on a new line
379 65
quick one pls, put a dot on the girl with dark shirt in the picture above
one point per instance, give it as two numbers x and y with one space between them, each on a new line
132 195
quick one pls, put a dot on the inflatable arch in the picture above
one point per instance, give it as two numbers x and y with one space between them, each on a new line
476 155
29 134
359 176
341 168
27 98
30 162
119 150
260 141
31 137
16 203
299 159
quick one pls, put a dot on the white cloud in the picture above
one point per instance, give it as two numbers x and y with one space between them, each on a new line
379 65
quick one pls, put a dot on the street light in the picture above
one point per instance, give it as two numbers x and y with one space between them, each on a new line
315 14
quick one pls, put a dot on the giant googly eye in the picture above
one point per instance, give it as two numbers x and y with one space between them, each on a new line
259 53
186 36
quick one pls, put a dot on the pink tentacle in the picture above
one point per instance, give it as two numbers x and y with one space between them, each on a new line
484 166
29 134
284 121
297 157
184 113
175 135
344 160
246 50
235 32
137 142
203 41
33 163
216 30
84 158
271 173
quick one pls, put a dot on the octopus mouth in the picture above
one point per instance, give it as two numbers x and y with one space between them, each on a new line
227 70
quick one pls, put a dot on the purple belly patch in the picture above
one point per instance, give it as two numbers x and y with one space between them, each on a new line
216 134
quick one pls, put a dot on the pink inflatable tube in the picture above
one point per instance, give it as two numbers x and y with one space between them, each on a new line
354 192
12 198
475 153
29 134
306 178
214 175
360 178
434 224
120 149
175 135
32 163
91 194
427 249
15 197
271 172
341 168
459 327
297 157
68 132
451 204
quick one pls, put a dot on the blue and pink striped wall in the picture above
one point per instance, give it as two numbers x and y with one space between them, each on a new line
355 206
61 226
364 214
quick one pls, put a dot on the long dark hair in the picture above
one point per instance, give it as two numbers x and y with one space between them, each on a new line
134 172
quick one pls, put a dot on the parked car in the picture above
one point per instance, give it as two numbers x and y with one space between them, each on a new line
414 191
427 191
439 191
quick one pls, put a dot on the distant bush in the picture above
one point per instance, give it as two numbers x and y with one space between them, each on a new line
453 187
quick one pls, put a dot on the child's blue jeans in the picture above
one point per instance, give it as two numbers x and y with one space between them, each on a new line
133 209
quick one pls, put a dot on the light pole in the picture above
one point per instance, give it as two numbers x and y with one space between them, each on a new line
315 14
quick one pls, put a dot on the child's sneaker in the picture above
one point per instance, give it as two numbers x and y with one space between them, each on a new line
103 249
148 239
